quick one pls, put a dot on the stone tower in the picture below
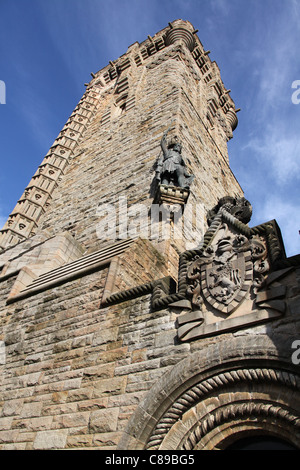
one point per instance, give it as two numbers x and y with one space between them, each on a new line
116 334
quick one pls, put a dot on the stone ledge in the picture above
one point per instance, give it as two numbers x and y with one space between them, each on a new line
194 331
31 282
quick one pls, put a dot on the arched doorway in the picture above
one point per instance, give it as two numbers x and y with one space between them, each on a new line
215 398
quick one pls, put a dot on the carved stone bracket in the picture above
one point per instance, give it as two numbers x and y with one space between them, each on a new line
170 195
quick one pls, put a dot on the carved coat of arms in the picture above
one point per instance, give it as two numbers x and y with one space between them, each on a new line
223 274
225 280
229 283
225 271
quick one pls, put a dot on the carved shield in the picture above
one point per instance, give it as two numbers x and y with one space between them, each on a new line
225 282
233 269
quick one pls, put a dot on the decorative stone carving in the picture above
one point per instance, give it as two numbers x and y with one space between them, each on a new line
240 208
232 118
180 34
230 283
171 195
171 169
217 384
223 273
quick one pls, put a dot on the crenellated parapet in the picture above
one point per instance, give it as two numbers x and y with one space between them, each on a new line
112 93
220 105
140 309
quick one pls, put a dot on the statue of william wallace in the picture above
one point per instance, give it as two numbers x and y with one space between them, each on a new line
171 169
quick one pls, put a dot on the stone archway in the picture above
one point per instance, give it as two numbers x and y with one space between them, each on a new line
218 395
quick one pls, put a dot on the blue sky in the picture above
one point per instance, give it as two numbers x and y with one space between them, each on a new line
48 48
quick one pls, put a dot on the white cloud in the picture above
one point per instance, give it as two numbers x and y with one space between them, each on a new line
271 152
37 117
273 181
279 153
287 216
284 158
296 8
275 69
274 59
222 7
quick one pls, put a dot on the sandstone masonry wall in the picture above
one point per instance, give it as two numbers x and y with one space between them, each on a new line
75 373
87 359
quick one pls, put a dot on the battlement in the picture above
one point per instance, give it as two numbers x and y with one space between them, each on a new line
172 65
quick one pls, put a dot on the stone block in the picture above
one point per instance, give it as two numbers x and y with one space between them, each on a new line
103 421
71 420
50 440
30 410
108 387
12 407
80 441
108 440
105 336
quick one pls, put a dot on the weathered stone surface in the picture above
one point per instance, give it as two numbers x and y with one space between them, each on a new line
46 440
80 372
103 421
